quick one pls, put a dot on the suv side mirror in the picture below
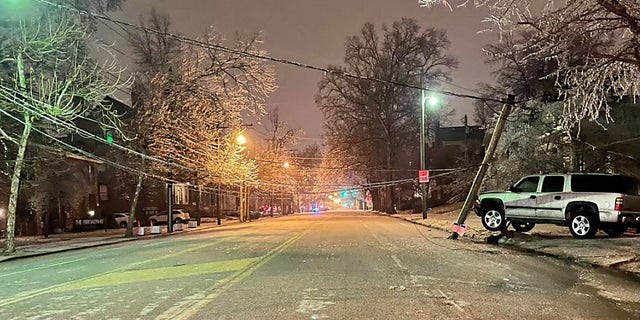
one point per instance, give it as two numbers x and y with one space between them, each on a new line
514 189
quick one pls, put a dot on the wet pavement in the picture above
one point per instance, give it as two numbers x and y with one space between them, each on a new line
622 253
333 265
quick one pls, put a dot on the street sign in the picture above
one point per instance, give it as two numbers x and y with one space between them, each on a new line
459 228
423 176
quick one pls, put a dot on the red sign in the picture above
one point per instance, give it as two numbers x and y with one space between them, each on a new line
459 228
423 176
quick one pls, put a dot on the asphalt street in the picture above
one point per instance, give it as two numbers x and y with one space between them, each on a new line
336 265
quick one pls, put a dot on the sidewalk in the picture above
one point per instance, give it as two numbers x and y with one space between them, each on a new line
32 246
622 253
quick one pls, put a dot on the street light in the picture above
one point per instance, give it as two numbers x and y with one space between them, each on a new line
241 140
432 101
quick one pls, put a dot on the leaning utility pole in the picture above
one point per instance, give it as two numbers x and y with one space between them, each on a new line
477 181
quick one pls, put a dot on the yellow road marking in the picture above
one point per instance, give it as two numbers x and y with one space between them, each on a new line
143 275
41 267
38 292
186 310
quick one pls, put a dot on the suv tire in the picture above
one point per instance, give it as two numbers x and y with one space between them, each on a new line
493 218
177 220
123 224
583 224
154 222
523 226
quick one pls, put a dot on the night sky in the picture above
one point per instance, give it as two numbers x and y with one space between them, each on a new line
314 32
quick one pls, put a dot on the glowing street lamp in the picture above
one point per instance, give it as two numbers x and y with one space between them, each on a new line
286 164
241 140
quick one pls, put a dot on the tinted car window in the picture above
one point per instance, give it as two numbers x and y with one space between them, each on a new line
529 184
553 184
602 183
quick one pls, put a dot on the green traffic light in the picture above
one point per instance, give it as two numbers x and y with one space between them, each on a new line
109 137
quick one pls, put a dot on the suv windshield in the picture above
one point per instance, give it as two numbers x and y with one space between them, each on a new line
602 183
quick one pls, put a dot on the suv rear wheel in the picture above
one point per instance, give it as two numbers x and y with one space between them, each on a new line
493 218
583 224
123 224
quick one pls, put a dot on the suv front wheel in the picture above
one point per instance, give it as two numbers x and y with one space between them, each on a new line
493 218
583 225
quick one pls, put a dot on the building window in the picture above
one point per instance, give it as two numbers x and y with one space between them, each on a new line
104 192
180 194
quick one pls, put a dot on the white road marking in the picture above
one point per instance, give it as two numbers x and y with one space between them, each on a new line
451 301
398 262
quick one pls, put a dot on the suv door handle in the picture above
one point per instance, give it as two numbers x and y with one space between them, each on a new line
557 198
532 197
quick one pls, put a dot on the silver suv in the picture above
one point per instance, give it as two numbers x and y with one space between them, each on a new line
583 202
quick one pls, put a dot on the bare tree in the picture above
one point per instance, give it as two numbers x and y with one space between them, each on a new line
189 102
276 171
594 43
374 121
536 140
47 81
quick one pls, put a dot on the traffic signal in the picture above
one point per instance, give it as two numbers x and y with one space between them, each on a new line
109 136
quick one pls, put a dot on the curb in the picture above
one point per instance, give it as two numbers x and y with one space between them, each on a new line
474 237
44 253
572 259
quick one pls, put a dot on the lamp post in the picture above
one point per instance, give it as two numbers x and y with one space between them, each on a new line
432 101
241 140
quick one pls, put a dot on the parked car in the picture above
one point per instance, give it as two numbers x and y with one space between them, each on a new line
178 216
122 219
583 202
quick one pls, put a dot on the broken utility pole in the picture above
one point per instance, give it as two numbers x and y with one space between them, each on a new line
488 156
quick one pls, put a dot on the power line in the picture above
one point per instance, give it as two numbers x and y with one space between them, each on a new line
325 70
86 133
115 164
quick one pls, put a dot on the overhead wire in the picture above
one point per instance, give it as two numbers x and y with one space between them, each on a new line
136 171
203 44
254 55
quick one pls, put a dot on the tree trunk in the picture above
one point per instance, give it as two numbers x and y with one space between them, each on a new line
15 184
134 204
271 205
389 203
375 199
